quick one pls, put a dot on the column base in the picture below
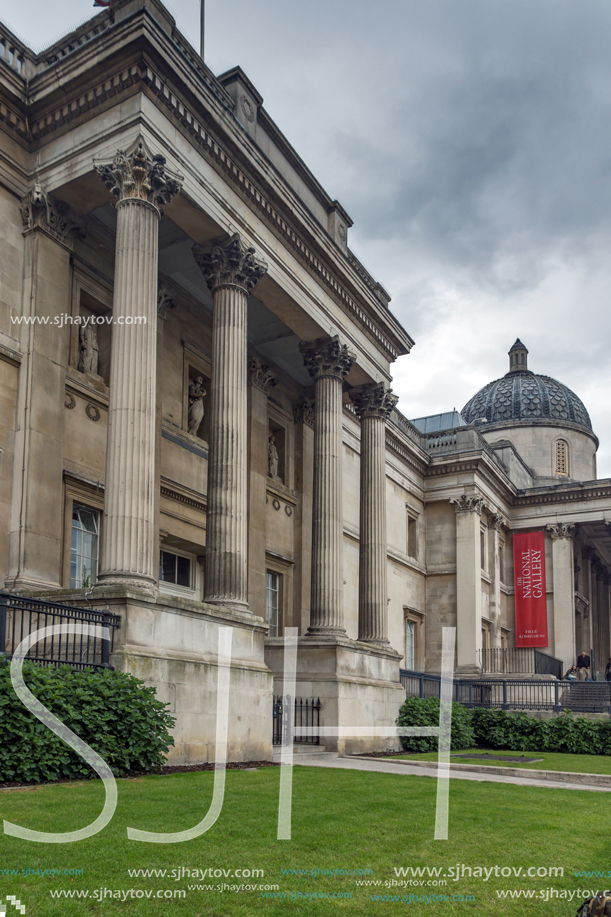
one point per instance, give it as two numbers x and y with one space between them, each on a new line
326 632
26 584
141 584
232 604
469 669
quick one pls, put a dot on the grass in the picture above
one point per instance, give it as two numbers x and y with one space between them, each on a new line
341 820
575 764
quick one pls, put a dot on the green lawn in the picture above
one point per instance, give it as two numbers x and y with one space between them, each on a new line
343 820
581 764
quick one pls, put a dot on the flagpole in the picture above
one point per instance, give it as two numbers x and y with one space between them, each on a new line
202 7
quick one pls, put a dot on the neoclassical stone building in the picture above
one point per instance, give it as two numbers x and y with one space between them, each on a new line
196 418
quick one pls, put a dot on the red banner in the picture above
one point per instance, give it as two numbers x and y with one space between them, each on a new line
529 581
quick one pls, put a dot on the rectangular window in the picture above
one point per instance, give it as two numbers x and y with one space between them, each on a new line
410 645
84 553
272 602
175 569
482 547
412 536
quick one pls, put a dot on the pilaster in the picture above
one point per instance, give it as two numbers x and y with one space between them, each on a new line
303 415
260 380
563 579
468 509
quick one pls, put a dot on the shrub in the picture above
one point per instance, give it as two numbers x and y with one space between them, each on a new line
114 713
425 712
492 728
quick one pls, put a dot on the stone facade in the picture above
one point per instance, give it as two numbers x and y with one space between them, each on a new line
225 450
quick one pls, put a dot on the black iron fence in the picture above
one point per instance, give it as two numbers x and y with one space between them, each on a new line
305 713
516 694
20 617
519 661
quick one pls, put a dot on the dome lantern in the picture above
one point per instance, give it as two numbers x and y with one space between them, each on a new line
518 358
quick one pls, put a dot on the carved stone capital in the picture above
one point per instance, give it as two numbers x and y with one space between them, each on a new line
327 357
260 375
561 530
496 520
138 174
587 551
374 401
303 412
39 212
164 301
468 503
229 262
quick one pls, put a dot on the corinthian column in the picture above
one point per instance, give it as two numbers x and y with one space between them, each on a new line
563 581
328 362
141 185
373 405
231 270
468 582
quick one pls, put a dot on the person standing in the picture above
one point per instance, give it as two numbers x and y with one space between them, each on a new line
608 670
583 666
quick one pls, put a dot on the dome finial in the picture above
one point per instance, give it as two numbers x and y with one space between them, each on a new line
518 358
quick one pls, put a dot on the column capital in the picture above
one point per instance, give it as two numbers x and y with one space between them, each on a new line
327 357
260 375
468 503
229 262
375 400
559 530
497 521
138 174
38 211
303 411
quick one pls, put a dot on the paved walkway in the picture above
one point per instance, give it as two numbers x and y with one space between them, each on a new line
380 766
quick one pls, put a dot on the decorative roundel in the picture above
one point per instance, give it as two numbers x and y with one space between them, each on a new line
276 504
92 412
342 232
526 395
70 401
247 108
288 510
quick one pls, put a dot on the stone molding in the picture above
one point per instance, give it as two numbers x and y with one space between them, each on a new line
559 530
39 212
139 174
327 357
229 262
260 375
165 301
374 401
468 503
304 411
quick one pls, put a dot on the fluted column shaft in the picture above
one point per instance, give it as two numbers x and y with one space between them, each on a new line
129 537
227 516
328 362
563 580
141 184
231 270
373 404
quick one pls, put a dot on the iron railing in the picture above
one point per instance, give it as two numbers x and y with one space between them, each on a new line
305 713
520 660
20 617
516 694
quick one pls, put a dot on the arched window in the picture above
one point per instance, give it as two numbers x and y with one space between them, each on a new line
561 457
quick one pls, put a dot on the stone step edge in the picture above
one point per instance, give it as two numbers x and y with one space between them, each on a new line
555 776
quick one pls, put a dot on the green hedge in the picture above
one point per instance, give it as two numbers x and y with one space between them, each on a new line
489 728
114 713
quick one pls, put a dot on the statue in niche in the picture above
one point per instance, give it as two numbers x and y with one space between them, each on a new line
90 351
196 404
272 458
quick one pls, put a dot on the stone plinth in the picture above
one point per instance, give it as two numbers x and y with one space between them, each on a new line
358 684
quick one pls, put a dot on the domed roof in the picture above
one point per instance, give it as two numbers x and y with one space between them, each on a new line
524 395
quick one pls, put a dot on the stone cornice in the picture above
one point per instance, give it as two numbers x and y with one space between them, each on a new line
565 493
279 205
397 445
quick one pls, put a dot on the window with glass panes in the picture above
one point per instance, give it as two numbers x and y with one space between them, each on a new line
410 635
174 569
84 552
272 602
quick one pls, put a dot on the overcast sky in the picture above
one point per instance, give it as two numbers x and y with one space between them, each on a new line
470 141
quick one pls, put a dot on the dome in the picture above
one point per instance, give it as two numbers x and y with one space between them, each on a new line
522 395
